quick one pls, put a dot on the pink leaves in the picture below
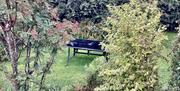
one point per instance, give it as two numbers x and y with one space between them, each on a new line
54 13
24 7
34 33
74 26
60 26
50 32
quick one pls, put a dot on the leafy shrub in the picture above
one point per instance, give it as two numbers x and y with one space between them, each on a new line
171 13
89 30
80 10
92 79
134 43
83 30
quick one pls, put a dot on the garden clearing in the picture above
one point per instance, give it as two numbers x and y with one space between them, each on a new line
75 73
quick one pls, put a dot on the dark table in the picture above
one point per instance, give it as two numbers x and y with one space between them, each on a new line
89 45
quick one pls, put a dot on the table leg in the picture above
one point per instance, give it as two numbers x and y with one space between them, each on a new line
88 52
106 56
68 57
75 50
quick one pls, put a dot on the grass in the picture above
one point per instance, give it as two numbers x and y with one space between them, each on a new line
62 75
75 73
164 66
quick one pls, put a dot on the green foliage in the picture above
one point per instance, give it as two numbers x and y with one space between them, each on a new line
3 56
80 10
134 42
89 30
91 80
92 72
171 13
26 27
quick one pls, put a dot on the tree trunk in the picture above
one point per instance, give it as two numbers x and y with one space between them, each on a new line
47 68
13 55
27 65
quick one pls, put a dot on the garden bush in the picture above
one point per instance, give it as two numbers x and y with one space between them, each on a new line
171 13
91 80
89 30
80 10
134 43
83 30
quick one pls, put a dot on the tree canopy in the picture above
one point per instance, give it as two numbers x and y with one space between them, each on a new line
26 26
171 13
93 10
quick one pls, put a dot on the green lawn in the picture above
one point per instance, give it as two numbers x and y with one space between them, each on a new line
62 75
164 66
75 73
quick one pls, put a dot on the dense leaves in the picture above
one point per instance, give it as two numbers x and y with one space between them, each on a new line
134 42
89 30
93 10
27 28
171 13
